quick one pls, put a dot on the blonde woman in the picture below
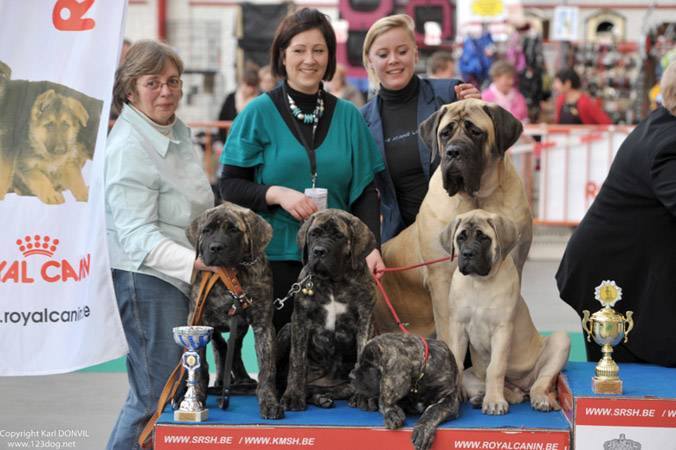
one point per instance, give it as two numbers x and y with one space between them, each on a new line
402 101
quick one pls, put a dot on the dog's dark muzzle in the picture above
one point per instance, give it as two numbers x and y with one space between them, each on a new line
221 253
461 166
472 258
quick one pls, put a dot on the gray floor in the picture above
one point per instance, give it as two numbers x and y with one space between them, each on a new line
81 408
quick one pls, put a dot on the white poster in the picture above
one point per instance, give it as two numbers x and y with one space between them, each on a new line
57 306
566 23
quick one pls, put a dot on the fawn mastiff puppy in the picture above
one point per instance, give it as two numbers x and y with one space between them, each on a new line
232 236
393 368
510 359
472 137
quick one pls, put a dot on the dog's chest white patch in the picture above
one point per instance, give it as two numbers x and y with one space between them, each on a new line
333 310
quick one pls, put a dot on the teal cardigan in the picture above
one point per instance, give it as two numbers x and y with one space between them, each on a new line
347 160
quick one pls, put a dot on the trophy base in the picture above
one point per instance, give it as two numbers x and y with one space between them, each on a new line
191 416
608 387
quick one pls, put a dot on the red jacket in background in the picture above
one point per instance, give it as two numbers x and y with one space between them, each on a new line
590 113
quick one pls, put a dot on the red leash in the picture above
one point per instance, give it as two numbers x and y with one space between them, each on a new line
399 269
389 304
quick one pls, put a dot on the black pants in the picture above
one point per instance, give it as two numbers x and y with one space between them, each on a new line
284 274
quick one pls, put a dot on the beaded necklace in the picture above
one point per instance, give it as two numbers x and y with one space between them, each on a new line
308 118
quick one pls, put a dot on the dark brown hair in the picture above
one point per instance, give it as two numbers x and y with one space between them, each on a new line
303 20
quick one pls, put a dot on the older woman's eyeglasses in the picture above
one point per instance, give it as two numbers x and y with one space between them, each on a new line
156 85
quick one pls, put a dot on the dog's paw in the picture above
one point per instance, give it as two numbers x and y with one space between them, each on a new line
463 395
363 402
477 400
80 195
52 198
321 400
293 401
394 418
271 411
422 437
544 403
496 408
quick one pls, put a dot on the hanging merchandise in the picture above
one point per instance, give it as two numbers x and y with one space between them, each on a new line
611 73
477 56
534 83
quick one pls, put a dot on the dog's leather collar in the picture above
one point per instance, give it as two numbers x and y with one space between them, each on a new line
229 277
426 349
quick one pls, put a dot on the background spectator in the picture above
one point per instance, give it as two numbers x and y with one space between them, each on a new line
502 90
440 64
572 106
342 88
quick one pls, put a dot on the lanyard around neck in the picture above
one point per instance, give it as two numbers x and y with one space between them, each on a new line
309 150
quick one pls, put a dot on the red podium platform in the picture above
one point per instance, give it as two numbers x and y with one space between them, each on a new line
645 413
342 427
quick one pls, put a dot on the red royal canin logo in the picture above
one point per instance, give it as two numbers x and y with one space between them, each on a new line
37 245
51 271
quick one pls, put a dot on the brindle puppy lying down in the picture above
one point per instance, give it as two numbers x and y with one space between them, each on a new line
392 367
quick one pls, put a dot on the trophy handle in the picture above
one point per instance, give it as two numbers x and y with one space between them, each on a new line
586 324
630 322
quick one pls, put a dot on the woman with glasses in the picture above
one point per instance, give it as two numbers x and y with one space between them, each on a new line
297 136
154 187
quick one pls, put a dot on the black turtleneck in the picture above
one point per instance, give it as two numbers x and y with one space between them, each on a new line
307 104
399 114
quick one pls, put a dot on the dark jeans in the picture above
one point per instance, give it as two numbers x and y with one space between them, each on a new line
149 308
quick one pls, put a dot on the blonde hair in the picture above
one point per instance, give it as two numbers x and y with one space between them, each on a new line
668 88
501 67
378 28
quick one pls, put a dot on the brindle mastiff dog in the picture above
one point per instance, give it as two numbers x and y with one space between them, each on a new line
472 137
510 359
232 236
392 368
333 315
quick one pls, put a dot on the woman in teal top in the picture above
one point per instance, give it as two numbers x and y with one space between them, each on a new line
273 142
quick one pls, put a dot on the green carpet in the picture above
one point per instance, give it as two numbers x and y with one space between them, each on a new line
577 353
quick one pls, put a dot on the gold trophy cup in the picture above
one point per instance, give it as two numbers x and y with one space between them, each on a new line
608 328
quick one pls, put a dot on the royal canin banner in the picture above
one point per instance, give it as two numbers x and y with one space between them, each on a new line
57 305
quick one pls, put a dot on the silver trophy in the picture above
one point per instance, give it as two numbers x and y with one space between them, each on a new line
192 338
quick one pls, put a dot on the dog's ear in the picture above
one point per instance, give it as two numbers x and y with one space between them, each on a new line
301 237
192 232
78 110
43 100
427 130
506 234
373 355
362 240
507 127
447 237
5 71
259 232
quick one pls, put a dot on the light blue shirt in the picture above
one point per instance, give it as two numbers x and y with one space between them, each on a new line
154 188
